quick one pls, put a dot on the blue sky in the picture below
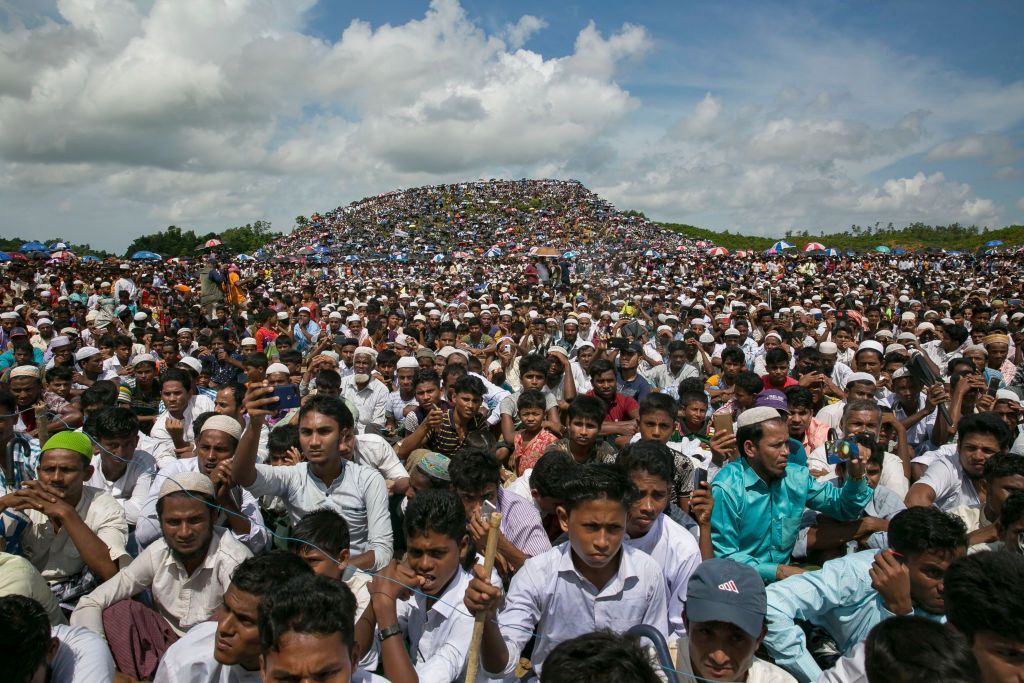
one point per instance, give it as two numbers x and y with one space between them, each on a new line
752 116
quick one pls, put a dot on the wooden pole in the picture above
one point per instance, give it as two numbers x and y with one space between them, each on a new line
478 625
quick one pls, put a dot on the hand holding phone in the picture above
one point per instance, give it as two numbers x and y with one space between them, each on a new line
287 396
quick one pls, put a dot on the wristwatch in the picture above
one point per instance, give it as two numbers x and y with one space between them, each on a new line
386 633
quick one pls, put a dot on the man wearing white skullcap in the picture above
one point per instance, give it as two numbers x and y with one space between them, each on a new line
364 391
217 439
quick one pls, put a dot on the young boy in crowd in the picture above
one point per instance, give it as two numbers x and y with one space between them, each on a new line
533 437
533 375
120 468
582 441
626 586
650 466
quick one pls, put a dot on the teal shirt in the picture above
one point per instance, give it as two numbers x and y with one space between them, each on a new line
757 523
838 597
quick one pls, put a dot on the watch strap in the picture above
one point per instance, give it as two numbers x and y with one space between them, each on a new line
386 633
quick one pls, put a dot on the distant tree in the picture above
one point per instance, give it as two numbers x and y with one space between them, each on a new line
301 221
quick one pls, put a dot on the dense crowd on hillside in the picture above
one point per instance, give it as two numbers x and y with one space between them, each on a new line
682 466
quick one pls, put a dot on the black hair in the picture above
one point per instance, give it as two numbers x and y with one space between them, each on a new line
59 373
656 402
984 423
776 356
749 382
469 385
688 397
533 362
427 376
102 393
471 470
920 529
323 529
1013 509
437 510
290 356
550 473
600 366
115 423
862 406
754 432
256 360
453 372
982 593
599 657
8 404
733 354
331 406
691 385
328 380
24 637
1003 465
957 333
307 604
259 575
387 357
282 438
237 391
652 457
912 649
587 407
598 481
799 397
531 398
177 375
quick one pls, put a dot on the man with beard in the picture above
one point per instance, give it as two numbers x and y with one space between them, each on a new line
228 649
216 442
187 572
368 394
27 389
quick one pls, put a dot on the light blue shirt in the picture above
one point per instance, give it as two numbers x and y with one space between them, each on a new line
757 523
838 597
301 343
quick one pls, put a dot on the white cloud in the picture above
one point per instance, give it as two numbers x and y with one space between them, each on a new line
121 117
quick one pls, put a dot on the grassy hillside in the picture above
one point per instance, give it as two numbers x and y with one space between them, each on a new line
865 238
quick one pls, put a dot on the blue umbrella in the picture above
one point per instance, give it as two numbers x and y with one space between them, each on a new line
490 253
57 246
783 244
438 258
570 254
650 253
831 251
351 259
851 252
90 257
260 253
899 250
145 256
993 243
32 246
244 257
882 249
321 249
4 256
955 253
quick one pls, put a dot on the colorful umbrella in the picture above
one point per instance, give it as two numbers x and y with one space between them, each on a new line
782 244
570 254
743 253
62 255
881 248
492 252
145 256
89 258
832 252
814 246
438 258
650 253
32 246
210 244
4 257
718 251
57 246
994 243
351 258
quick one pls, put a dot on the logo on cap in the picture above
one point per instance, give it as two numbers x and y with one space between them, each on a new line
729 586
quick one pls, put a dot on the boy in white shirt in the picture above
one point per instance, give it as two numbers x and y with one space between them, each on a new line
120 468
590 582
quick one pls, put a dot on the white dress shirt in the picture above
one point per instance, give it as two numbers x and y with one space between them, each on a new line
677 553
132 489
148 530
190 660
548 595
183 600
82 656
952 487
374 451
358 494
371 401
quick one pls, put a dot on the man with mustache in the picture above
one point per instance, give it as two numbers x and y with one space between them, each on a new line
186 571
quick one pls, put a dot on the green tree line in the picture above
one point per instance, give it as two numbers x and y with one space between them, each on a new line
174 241
14 243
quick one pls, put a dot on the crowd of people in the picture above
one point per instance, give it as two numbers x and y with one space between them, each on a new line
682 467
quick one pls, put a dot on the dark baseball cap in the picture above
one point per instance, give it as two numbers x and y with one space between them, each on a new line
772 398
724 590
